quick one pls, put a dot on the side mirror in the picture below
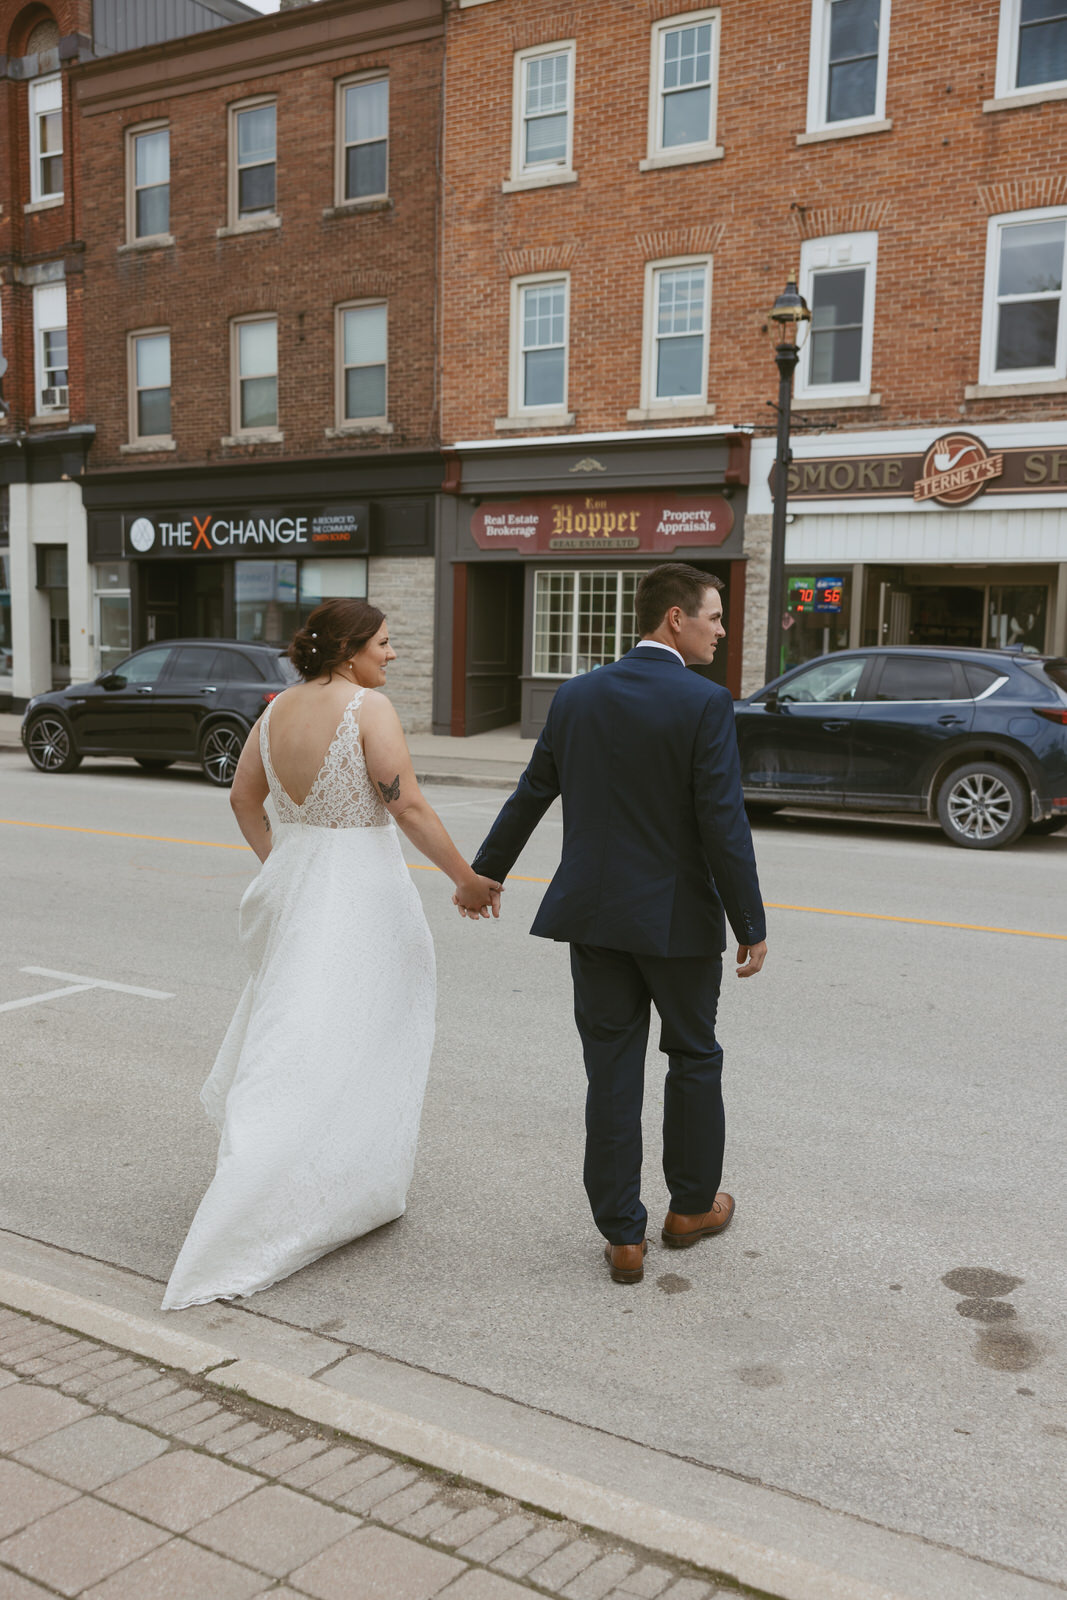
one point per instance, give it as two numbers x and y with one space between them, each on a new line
111 680
771 703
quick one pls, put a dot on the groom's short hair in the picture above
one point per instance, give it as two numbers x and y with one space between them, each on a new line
673 584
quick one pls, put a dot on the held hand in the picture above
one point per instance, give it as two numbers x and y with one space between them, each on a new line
477 897
750 958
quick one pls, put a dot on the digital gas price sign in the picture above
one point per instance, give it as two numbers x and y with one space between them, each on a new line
809 595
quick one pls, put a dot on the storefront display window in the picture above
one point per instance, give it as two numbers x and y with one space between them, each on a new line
1017 617
582 620
112 584
817 613
272 598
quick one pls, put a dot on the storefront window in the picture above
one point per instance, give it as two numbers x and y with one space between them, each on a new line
582 620
817 614
112 584
1017 617
272 598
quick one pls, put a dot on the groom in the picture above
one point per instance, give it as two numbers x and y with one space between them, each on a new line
655 844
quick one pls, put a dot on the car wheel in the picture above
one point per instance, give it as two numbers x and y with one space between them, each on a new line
49 744
152 763
982 806
220 751
1048 825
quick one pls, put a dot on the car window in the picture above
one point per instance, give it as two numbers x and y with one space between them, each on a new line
918 678
193 663
979 679
827 680
145 667
1057 671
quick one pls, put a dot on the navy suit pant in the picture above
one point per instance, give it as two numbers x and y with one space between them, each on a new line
613 991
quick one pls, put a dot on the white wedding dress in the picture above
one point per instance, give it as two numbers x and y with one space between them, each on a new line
318 1086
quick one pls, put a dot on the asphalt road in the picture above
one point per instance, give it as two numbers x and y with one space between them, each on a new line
881 1329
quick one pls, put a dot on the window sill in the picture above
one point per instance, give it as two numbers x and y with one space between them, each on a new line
1026 97
1006 391
48 204
538 180
146 447
349 430
553 419
353 208
249 225
850 130
150 241
238 441
834 402
682 158
48 419
671 413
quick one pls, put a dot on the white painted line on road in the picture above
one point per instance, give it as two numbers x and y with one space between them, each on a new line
97 983
49 994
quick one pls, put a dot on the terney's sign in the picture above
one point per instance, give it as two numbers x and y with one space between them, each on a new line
318 531
955 469
603 524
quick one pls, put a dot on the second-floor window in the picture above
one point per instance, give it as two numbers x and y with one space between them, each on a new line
837 280
544 111
254 189
1033 45
362 336
50 337
46 139
364 143
150 385
539 345
677 321
849 40
149 209
1024 338
684 68
256 371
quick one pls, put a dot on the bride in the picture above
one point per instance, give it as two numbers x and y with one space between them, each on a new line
318 1085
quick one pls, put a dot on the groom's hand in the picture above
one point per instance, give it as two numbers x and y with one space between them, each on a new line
750 958
478 897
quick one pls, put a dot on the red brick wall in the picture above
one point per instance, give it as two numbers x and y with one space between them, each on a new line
927 186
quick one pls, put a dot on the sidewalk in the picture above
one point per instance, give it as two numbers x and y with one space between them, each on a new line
124 1480
490 760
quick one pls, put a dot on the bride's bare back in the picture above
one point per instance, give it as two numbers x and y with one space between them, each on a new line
303 724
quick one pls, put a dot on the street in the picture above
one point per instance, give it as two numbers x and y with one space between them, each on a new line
879 1332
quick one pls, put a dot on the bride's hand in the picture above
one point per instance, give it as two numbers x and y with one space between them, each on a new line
477 897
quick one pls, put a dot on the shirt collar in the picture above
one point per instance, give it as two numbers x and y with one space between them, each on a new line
654 644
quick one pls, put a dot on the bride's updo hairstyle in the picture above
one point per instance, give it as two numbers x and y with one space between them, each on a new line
332 635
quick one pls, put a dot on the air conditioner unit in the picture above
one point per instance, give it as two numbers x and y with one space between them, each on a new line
57 399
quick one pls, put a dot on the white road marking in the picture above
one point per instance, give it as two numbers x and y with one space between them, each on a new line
98 983
50 994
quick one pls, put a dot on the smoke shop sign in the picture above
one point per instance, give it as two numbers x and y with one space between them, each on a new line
603 524
327 530
956 468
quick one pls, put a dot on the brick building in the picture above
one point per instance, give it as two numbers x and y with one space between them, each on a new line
45 429
628 186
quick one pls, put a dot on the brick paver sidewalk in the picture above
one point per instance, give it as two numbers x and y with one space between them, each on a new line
121 1480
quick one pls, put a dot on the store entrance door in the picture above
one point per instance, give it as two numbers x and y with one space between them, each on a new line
494 646
186 599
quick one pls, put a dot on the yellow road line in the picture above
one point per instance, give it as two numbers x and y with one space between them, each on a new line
517 877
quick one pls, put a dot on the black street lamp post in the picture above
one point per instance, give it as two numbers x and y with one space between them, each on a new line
788 312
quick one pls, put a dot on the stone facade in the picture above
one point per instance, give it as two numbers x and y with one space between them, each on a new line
402 587
757 572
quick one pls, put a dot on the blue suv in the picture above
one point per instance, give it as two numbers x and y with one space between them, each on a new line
974 738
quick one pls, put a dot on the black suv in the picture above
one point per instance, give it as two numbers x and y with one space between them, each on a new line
975 738
187 700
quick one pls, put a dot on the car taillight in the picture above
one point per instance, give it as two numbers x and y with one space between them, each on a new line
1053 714
272 694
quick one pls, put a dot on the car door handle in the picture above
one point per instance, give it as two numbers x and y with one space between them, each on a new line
144 691
835 727
950 721
211 690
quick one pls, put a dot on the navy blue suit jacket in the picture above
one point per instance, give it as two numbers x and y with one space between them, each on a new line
656 842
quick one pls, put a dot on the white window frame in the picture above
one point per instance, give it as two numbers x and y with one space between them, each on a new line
357 424
539 175
660 155
343 85
261 219
555 413
819 75
44 295
38 194
132 136
577 573
1008 60
835 253
687 405
267 431
988 373
135 435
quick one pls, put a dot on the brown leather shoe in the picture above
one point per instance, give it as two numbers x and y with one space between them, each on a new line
680 1231
627 1261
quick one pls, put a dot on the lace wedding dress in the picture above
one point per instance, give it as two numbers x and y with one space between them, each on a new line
318 1086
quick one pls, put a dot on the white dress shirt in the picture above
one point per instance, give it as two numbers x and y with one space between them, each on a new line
654 644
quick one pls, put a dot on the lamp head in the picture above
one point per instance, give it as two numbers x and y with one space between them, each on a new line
788 312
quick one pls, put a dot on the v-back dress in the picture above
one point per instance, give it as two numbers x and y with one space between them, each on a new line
318 1086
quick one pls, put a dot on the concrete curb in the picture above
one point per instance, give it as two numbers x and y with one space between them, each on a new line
921 1571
